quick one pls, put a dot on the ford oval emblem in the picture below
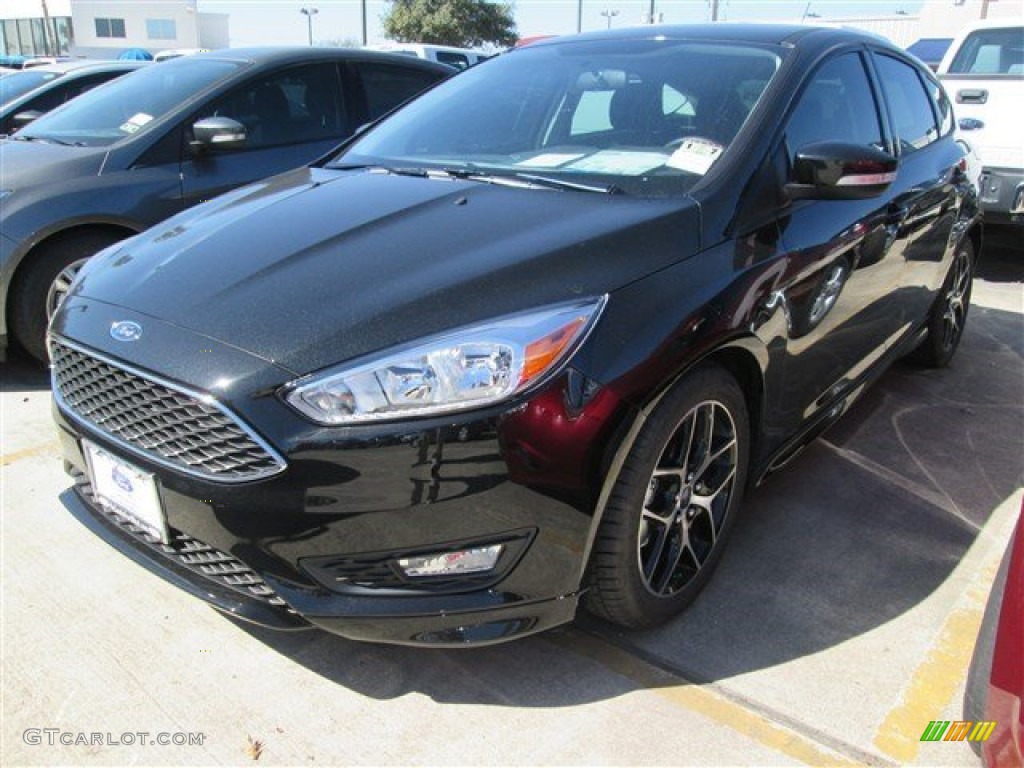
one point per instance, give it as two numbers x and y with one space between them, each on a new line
126 330
121 480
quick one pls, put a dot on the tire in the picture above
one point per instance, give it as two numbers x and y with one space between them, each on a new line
662 532
42 279
948 315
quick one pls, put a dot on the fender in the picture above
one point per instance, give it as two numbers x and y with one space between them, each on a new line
747 345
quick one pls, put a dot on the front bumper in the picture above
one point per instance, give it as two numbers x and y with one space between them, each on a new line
317 543
1001 194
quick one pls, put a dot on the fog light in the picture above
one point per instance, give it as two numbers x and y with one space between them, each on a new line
475 560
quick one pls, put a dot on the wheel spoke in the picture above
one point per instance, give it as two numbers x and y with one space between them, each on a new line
668 473
707 498
673 558
649 565
692 419
712 458
662 520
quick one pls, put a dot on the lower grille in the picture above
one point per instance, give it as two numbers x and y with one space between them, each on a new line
164 422
200 558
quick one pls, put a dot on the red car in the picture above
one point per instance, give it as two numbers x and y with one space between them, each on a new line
998 696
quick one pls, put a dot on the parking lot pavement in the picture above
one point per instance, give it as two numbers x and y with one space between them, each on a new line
841 621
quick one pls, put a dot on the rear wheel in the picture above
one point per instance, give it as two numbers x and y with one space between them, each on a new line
42 282
949 313
674 503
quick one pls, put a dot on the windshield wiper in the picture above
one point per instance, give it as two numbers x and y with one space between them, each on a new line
546 181
377 168
45 140
518 180
530 181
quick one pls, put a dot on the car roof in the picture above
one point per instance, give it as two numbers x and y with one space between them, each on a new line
273 56
727 31
89 65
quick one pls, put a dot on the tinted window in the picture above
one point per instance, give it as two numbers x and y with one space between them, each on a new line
909 104
837 105
386 86
991 52
940 101
131 103
296 105
19 83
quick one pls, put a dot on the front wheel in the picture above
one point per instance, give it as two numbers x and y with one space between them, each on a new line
42 282
674 503
949 313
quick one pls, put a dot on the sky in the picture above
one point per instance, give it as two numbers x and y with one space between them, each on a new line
267 22
255 22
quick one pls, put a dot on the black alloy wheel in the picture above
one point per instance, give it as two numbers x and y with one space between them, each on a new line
674 503
949 313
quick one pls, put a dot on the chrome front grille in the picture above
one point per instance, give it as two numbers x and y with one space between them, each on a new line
166 423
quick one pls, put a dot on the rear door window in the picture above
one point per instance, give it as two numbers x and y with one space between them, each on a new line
385 86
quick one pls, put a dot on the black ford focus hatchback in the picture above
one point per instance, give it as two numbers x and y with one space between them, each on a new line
524 344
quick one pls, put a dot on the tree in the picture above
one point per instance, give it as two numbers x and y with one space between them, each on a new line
462 23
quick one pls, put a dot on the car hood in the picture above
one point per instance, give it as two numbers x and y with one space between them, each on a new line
28 164
317 267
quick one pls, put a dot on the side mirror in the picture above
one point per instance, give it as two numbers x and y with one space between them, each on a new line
833 170
22 119
218 133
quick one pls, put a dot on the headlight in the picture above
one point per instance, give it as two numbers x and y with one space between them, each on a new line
468 368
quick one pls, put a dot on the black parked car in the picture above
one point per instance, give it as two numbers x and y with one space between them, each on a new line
26 95
123 158
527 341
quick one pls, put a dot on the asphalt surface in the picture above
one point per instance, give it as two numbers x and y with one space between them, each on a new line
841 621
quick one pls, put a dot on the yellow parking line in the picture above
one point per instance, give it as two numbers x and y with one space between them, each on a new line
9 458
936 679
701 700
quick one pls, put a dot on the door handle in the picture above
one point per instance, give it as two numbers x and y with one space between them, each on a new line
971 96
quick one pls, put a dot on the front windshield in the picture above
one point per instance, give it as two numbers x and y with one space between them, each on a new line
646 117
18 84
128 104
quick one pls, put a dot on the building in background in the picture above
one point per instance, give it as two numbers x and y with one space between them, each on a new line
105 28
36 36
946 18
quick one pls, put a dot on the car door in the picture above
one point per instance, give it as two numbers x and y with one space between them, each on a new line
925 192
841 277
292 116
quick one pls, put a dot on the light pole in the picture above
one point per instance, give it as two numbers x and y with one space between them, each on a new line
608 14
309 13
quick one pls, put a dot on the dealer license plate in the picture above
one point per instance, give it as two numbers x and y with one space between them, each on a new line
126 490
